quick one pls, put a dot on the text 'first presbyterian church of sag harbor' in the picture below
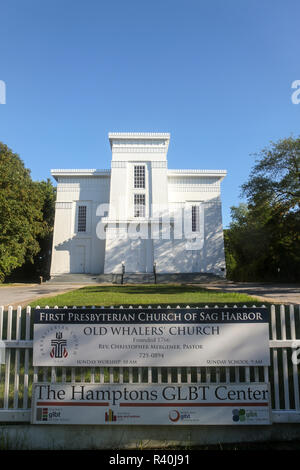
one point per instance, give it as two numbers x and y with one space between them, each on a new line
139 214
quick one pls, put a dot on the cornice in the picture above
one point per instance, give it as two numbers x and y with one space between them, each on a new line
216 173
56 173
133 138
138 135
197 172
158 149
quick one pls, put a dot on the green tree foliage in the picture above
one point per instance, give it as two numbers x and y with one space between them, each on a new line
263 240
26 213
42 261
275 178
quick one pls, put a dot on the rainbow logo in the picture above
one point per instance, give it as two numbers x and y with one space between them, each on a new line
238 415
42 414
110 416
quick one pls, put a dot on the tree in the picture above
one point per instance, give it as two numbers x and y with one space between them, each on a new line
275 178
263 241
24 213
246 244
41 264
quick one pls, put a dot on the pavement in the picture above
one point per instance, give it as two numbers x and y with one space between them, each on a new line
276 293
23 294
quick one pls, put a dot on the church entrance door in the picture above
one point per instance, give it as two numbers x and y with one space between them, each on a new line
80 259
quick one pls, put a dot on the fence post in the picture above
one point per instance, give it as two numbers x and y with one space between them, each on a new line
295 365
7 359
275 359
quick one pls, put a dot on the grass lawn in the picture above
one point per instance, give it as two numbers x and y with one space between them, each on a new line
150 294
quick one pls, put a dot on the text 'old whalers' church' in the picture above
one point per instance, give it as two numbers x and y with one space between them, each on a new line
139 216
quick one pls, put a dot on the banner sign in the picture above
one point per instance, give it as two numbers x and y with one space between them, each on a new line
154 338
179 404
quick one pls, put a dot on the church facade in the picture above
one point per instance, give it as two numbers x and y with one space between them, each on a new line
139 215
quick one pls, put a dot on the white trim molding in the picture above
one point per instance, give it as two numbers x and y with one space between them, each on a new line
56 173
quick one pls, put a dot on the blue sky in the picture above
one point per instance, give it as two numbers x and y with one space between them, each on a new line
216 74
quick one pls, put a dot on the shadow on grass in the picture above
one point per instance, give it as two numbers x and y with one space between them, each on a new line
147 289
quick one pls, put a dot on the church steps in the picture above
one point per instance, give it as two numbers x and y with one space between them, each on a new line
135 278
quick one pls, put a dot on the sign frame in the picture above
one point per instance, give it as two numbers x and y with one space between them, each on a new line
152 337
82 403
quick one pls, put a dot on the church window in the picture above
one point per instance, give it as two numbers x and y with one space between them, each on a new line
139 176
81 226
139 205
195 218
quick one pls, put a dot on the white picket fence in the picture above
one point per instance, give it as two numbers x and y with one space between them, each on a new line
17 374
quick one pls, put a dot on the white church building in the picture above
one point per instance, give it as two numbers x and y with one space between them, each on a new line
139 215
